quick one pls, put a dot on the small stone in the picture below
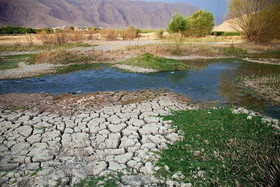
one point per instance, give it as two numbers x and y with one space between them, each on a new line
148 169
249 117
114 120
99 167
116 128
80 140
68 131
43 156
122 159
34 139
114 151
116 166
25 131
131 163
8 167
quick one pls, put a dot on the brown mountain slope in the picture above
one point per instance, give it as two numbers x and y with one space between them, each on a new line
97 13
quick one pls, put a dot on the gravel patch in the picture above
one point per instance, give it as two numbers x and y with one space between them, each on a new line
273 61
135 68
24 70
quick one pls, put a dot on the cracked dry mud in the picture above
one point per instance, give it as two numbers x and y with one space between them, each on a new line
44 148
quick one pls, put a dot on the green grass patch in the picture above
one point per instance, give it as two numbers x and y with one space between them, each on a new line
41 47
234 51
10 62
104 181
219 148
267 54
146 31
75 67
150 61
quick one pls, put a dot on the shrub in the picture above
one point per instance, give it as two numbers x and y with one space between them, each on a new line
16 30
159 34
178 24
258 20
110 34
130 33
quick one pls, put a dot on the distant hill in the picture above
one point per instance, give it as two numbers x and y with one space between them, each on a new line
96 13
226 26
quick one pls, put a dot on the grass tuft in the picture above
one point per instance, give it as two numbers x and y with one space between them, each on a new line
63 56
10 62
150 61
234 51
218 148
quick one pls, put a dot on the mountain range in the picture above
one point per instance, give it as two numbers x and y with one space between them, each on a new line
90 13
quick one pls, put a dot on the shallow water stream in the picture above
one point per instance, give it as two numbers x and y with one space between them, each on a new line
205 82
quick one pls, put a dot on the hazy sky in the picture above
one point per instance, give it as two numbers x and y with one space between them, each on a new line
218 7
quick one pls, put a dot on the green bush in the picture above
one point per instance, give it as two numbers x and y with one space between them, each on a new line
178 24
201 23
223 33
16 30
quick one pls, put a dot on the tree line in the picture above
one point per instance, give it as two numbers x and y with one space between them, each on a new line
200 23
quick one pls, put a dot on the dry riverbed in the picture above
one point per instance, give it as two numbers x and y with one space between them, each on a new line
106 133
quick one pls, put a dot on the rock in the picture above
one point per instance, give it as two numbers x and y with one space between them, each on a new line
149 129
148 146
99 167
3 148
131 163
66 140
136 122
49 136
249 117
116 166
114 151
20 147
172 137
130 130
127 142
32 166
113 141
80 140
24 131
114 120
34 139
68 130
116 128
8 166
122 159
40 152
148 169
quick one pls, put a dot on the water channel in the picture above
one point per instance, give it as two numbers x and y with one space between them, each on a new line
212 81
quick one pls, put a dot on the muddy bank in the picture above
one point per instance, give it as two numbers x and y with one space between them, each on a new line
110 133
266 87
68 103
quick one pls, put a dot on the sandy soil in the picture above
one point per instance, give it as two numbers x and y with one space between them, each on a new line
24 70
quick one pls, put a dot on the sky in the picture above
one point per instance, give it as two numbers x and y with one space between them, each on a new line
217 7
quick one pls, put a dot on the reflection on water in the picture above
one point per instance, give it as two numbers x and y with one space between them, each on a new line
204 82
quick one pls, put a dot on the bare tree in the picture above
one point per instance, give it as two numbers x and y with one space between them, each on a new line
258 20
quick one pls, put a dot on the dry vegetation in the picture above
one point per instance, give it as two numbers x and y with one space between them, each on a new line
257 20
63 56
65 37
